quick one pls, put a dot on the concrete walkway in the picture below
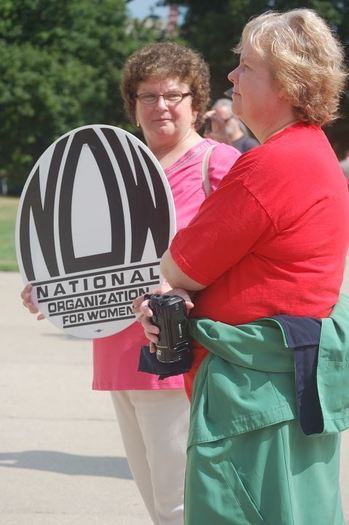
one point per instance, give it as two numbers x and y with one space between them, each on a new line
61 457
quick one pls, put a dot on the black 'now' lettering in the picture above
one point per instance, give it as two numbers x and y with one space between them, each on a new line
145 214
42 215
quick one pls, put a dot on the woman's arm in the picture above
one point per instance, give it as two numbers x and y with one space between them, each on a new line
181 285
175 276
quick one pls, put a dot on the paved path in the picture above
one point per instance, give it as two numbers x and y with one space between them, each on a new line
61 457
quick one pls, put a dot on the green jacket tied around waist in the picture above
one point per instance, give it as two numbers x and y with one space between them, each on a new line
247 381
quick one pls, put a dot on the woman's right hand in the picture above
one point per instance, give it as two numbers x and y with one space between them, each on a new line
26 295
144 314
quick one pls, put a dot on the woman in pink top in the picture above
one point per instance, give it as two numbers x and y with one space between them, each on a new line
165 88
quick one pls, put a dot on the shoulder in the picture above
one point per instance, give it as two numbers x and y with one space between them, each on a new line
298 147
223 154
277 173
221 147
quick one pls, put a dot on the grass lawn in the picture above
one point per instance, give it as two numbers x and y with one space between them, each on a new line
8 210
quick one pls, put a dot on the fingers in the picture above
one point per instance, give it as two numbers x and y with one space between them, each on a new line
26 290
26 296
152 348
140 305
27 301
143 313
185 295
30 306
153 339
137 305
151 331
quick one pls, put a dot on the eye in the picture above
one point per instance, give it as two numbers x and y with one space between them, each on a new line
244 65
147 98
173 96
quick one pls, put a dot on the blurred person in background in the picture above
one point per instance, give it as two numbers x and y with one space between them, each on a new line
222 125
344 164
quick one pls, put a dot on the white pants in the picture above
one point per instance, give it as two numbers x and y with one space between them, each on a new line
154 429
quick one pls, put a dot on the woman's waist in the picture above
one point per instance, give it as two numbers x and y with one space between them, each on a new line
234 306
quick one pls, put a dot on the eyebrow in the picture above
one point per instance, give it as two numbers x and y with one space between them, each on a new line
248 61
167 91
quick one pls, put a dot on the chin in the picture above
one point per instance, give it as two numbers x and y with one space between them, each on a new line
237 113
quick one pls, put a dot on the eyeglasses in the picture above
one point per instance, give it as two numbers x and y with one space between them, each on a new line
170 98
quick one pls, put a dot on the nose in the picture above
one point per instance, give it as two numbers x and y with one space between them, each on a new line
161 102
232 77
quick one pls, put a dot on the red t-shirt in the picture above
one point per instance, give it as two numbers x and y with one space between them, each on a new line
273 237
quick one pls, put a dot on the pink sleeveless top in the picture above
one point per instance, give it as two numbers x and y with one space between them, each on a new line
115 358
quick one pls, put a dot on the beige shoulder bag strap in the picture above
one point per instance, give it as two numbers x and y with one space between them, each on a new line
204 170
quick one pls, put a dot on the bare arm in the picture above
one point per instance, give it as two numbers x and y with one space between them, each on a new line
175 277
181 285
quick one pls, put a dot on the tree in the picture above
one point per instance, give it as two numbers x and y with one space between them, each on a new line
214 28
60 66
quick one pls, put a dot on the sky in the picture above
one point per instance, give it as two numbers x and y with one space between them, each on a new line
142 8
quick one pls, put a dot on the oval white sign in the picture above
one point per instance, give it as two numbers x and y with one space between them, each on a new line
94 218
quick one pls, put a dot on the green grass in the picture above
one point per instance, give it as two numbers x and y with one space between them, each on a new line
8 210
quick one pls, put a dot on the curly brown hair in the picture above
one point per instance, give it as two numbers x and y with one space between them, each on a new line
305 58
166 60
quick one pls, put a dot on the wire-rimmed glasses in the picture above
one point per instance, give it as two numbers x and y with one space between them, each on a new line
170 97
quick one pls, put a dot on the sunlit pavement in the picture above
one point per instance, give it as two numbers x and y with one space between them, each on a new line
61 457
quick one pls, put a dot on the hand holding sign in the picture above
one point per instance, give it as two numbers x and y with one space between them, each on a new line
94 218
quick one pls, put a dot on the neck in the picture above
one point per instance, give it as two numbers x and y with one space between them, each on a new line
267 134
168 152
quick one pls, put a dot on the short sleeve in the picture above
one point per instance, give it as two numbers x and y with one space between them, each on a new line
227 228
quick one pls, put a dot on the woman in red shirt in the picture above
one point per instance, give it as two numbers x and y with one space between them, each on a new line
271 240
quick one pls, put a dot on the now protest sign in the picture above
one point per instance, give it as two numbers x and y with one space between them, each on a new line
95 216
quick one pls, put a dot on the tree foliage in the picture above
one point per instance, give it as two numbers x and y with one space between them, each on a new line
214 28
60 65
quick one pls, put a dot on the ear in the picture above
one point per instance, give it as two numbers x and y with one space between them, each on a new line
282 93
136 119
194 117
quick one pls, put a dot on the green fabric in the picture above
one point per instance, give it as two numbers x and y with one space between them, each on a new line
275 475
333 368
247 380
332 373
248 461
245 383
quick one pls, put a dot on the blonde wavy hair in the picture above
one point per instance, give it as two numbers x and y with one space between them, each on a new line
166 60
306 60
